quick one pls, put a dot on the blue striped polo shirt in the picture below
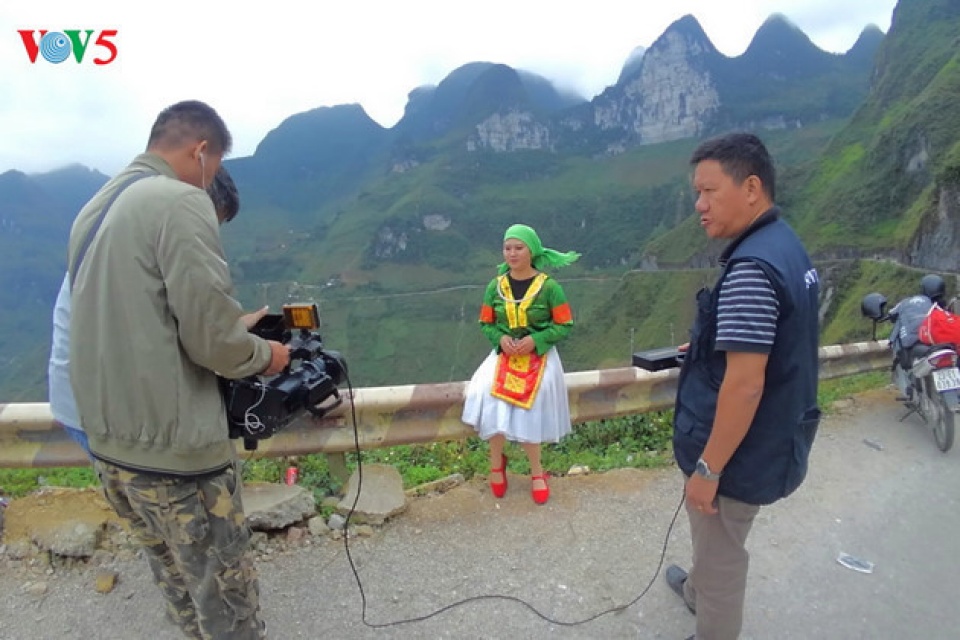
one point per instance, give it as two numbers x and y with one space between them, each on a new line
747 311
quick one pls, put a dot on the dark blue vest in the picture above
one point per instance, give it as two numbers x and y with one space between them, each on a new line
771 462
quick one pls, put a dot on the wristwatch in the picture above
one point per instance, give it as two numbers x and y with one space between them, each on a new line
703 469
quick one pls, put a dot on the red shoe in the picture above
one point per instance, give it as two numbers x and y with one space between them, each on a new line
500 488
540 496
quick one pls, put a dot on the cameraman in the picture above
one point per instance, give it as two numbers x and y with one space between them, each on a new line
152 319
226 202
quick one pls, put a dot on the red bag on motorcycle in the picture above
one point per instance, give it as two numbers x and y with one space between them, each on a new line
940 327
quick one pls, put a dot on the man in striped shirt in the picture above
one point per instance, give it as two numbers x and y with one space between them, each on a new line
747 314
746 411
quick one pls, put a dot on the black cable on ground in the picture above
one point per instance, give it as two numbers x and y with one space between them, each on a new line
520 601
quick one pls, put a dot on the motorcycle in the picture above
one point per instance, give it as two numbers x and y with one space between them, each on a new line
926 375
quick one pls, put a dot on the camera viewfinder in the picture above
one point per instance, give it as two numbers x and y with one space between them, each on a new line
302 316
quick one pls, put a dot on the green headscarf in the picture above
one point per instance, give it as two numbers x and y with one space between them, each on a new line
540 256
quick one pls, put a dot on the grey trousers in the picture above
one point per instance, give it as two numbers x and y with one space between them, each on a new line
717 580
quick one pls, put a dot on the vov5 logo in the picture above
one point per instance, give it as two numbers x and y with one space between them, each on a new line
56 46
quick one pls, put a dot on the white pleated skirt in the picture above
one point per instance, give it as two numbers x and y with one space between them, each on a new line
547 420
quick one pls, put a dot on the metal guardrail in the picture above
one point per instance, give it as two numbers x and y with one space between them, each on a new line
420 413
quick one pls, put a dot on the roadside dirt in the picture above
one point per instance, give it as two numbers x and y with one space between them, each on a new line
47 508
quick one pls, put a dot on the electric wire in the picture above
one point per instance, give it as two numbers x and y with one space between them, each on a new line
458 603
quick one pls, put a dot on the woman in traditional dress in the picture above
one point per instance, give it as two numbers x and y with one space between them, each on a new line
518 393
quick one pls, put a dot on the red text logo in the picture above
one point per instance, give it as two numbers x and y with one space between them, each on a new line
57 46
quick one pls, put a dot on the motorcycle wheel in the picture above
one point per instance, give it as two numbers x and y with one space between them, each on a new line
943 429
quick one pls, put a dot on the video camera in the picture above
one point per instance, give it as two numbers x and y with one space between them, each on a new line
258 407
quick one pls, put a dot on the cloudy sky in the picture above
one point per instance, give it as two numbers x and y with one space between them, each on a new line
259 63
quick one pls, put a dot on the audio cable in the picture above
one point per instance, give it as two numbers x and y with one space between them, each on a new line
458 603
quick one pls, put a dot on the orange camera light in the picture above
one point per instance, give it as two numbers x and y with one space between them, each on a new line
301 316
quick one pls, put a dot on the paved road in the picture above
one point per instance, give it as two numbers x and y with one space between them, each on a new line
596 545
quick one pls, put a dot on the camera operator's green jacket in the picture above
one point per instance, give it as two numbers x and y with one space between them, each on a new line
153 317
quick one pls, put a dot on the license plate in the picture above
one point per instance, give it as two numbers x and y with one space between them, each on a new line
946 379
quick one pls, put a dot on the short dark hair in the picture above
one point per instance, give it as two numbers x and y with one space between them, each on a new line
740 155
223 193
189 121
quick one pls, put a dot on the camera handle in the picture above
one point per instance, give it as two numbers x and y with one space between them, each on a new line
319 412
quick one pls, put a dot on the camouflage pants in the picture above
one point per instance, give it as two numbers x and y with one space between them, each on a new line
193 532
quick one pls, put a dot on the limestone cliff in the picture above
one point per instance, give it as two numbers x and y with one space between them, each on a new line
683 87
510 131
936 246
673 94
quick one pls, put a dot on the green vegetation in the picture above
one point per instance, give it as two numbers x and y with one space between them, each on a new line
608 208
832 390
854 280
634 441
871 190
19 482
950 169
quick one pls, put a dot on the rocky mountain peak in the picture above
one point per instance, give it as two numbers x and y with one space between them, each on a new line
780 49
474 91
496 88
632 64
779 30
315 127
669 96
687 27
864 50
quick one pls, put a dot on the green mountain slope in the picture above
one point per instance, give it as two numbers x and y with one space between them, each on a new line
872 188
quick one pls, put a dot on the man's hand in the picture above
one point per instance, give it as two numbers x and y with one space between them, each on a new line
279 358
250 319
701 493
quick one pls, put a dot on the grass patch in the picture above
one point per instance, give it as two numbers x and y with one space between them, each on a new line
632 441
839 388
20 482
